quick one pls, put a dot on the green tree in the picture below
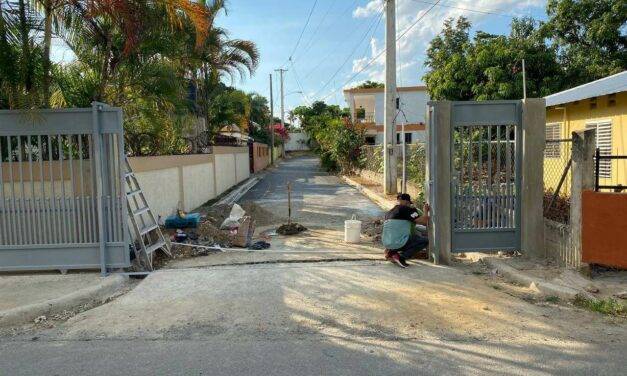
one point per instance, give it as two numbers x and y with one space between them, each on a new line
590 35
489 67
370 85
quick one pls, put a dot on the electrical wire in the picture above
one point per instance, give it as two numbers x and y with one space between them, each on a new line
384 49
315 32
374 24
303 31
474 10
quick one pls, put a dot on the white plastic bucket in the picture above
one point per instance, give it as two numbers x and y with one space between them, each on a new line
352 230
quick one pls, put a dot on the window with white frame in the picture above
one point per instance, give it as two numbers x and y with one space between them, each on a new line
553 132
604 144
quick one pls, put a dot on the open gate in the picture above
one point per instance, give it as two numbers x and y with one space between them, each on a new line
484 195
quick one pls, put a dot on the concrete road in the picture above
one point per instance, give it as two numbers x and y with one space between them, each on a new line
308 316
318 199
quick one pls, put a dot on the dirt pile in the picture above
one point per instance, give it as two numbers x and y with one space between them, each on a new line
262 217
291 229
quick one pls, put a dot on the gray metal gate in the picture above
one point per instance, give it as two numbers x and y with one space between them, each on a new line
485 164
62 202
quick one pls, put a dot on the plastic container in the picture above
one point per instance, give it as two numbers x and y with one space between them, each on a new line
352 230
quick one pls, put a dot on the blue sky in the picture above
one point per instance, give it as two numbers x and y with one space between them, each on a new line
343 35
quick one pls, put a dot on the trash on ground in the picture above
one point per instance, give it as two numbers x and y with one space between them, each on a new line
291 229
182 220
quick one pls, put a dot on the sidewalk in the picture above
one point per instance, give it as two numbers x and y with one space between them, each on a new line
23 298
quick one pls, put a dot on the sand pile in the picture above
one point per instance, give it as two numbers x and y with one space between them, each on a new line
373 228
291 229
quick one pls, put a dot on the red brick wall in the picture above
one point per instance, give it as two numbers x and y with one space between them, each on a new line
604 233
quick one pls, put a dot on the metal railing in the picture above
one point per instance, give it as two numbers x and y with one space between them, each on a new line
598 170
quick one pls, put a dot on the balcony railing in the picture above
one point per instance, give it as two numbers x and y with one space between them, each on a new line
365 117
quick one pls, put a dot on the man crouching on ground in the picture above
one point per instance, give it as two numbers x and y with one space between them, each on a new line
399 231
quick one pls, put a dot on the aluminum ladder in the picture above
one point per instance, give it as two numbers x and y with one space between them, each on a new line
143 222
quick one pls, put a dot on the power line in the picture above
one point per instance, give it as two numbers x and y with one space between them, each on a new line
340 43
375 23
300 87
384 49
475 10
313 37
304 28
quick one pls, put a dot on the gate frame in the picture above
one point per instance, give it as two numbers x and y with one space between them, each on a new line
98 120
438 178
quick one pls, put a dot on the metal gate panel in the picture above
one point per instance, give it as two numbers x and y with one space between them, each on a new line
61 189
485 175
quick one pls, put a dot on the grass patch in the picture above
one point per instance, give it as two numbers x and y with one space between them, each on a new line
477 272
609 306
552 299
496 287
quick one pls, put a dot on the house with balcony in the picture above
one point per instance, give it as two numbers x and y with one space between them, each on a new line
367 108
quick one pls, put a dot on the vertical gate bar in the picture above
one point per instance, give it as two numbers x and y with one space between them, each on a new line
480 176
498 174
99 187
82 194
15 224
490 204
121 188
55 215
469 183
74 237
5 215
44 208
508 175
63 205
36 225
93 201
460 180
25 219
107 175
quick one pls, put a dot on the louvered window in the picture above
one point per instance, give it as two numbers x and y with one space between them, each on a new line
604 143
553 132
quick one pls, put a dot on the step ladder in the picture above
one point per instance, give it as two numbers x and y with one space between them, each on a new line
143 222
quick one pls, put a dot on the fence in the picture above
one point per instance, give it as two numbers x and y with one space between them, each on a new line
62 203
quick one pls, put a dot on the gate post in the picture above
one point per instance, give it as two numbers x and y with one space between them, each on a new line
582 178
438 180
532 185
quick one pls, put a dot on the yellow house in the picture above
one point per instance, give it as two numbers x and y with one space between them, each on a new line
600 105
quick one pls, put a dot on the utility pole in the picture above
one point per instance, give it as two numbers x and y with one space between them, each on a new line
271 125
389 126
281 72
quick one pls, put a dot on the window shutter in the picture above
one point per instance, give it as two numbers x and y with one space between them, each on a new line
553 132
604 144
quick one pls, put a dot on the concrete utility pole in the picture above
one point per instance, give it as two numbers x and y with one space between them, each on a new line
389 126
271 125
281 72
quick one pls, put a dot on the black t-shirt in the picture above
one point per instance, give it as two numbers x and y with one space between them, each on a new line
403 212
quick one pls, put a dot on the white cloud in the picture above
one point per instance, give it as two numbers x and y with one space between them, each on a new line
369 9
412 47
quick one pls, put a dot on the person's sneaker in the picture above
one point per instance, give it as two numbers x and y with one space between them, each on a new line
388 254
403 261
395 258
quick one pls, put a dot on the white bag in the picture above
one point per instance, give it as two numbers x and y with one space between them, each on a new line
232 221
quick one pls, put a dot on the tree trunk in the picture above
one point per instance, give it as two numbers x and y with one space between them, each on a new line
27 67
46 58
104 73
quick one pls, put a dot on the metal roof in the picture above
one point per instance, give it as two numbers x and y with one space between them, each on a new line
608 85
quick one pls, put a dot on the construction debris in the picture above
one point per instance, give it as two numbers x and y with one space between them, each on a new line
373 228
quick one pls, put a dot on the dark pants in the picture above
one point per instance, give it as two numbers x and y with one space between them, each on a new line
415 244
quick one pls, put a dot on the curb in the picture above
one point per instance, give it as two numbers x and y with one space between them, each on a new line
542 286
22 315
369 193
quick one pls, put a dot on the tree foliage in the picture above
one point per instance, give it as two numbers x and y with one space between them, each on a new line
334 138
165 62
583 40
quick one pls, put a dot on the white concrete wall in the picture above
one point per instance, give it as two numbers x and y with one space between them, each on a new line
189 181
243 166
298 141
413 103
225 172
